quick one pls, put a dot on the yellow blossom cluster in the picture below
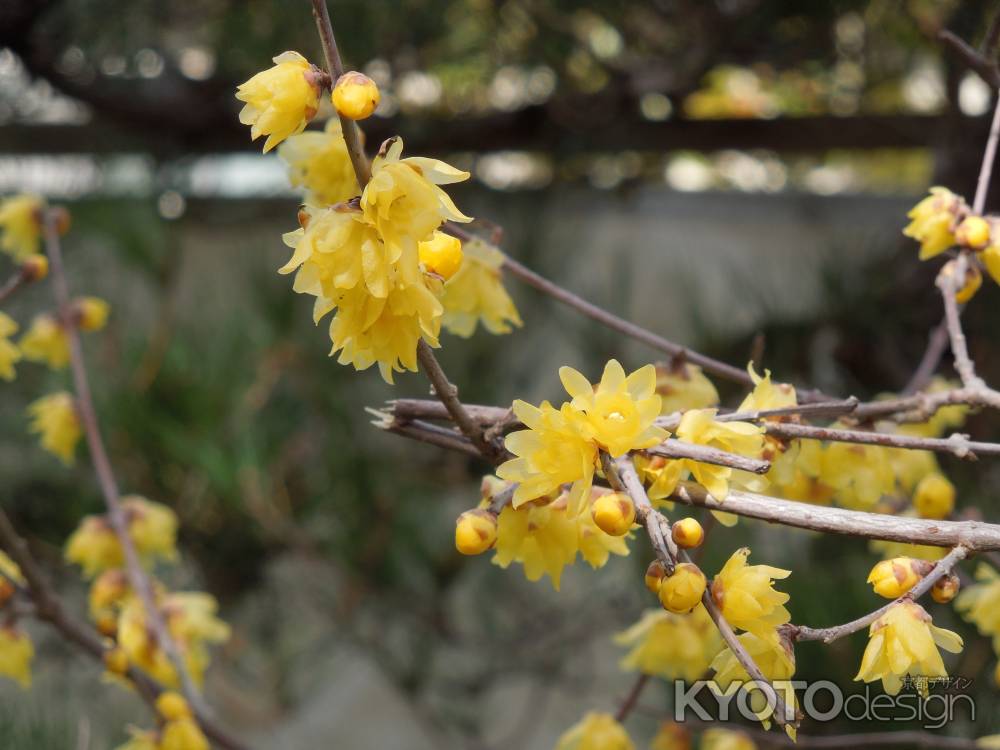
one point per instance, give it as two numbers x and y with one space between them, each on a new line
595 731
476 294
671 646
178 729
56 421
980 604
280 101
21 225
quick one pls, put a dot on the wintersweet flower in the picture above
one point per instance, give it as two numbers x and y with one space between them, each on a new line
682 386
613 513
980 603
46 342
355 95
671 646
596 545
543 538
9 353
91 313
682 590
893 578
661 475
108 592
21 224
403 200
476 294
904 641
934 496
16 653
746 596
619 411
596 731
94 545
281 100
475 531
726 739
933 221
765 394
945 588
550 453
699 426
55 420
319 163
859 474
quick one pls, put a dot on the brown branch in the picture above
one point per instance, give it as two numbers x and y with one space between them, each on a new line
941 568
937 343
632 698
989 157
957 445
105 475
11 285
986 69
671 448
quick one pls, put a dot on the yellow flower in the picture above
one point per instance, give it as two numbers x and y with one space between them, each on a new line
597 546
355 95
980 603
770 652
596 731
662 476
620 410
281 100
859 474
934 497
946 588
403 200
153 528
932 221
319 163
973 232
35 267
904 641
182 734
683 386
765 394
550 453
94 547
139 740
726 739
16 653
671 646
671 736
21 223
893 578
9 353
91 313
681 591
746 596
108 592
476 293
699 426
45 341
543 538
55 420
475 531
441 254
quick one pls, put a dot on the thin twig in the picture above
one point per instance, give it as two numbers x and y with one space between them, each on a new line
672 448
986 69
937 344
11 285
105 475
956 445
941 568
632 698
989 157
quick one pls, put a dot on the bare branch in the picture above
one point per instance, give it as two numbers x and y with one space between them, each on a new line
956 445
984 68
671 448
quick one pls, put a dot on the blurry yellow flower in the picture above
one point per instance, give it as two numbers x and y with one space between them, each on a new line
699 426
770 652
403 200
893 578
16 653
671 736
139 740
281 100
904 641
671 646
9 353
619 411
476 293
45 341
746 596
910 466
172 706
596 731
441 254
35 267
94 547
726 739
973 232
182 734
11 574
859 474
683 386
943 420
21 224
152 526
55 420
91 313
543 538
319 163
932 221
115 662
475 531
107 592
681 591
765 394
980 603
355 95
550 453
934 497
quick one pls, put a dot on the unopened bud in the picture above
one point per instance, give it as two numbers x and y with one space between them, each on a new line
90 313
614 513
973 232
934 497
681 591
441 254
35 267
355 95
687 533
172 706
475 531
116 661
893 578
946 588
655 574
107 625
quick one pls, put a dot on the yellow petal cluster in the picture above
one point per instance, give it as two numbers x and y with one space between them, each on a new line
699 426
746 596
934 496
904 641
596 731
21 225
55 420
682 386
476 294
46 342
980 603
671 646
94 546
9 353
933 221
16 653
766 394
318 162
281 100
859 474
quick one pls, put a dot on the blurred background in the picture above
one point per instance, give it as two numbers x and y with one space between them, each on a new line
732 174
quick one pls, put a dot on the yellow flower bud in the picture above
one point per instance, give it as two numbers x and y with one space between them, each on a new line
934 496
945 588
681 591
893 578
475 531
107 625
970 284
655 574
91 313
355 96
172 706
687 533
614 513
973 232
35 267
115 661
441 254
